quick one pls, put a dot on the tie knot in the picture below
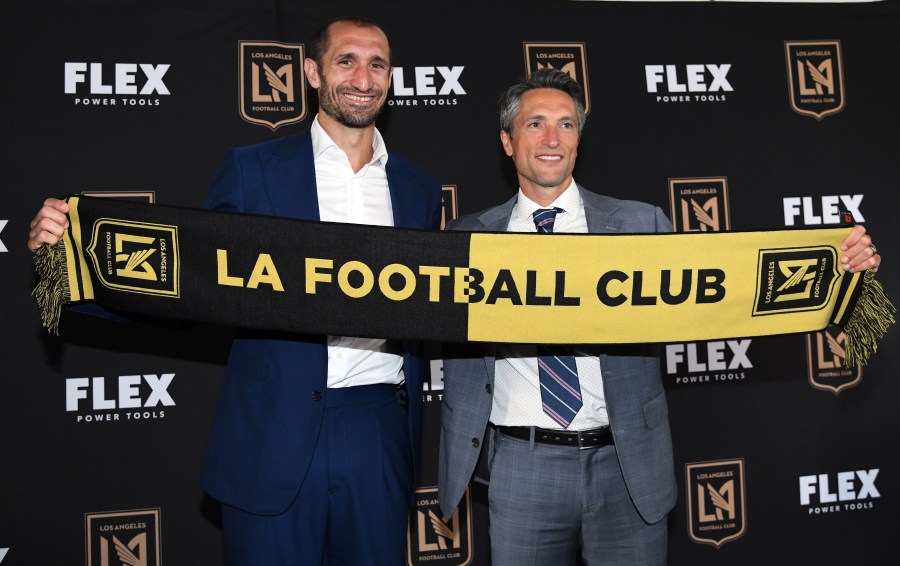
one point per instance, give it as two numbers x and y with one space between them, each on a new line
544 219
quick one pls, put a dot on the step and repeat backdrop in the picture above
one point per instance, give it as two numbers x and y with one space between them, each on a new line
728 116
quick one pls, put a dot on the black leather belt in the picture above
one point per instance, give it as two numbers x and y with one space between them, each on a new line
581 439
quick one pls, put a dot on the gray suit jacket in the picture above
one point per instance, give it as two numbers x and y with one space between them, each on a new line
632 384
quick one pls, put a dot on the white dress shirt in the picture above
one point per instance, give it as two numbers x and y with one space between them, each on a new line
359 198
517 390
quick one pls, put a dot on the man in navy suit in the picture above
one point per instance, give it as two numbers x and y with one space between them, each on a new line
593 474
314 446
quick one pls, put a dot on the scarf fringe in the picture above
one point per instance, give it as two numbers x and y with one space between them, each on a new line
52 290
870 320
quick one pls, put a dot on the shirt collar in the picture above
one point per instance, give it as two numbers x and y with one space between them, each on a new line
569 201
322 142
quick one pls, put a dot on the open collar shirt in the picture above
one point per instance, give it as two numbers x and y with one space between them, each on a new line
517 392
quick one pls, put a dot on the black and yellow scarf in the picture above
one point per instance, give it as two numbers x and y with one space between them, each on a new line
357 280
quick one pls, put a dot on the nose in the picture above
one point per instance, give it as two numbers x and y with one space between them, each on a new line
551 137
362 78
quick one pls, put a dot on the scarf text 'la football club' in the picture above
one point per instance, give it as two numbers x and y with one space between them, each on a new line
346 279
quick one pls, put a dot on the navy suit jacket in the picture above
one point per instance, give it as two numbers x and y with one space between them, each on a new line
272 396
632 384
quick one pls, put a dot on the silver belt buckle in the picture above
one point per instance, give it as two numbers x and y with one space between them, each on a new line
580 440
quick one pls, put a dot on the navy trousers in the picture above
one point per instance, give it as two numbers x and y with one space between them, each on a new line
353 506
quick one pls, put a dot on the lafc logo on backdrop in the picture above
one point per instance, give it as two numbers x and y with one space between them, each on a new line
816 77
699 204
431 540
137 257
717 510
825 353
794 279
137 397
121 84
273 86
704 83
123 538
567 57
834 493
426 86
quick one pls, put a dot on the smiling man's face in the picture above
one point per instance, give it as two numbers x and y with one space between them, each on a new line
543 143
355 74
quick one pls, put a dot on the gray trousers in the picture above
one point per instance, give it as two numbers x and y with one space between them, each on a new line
548 504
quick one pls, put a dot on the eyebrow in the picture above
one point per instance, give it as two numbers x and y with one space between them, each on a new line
355 56
544 117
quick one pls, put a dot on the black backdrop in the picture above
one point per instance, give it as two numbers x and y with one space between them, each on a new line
803 454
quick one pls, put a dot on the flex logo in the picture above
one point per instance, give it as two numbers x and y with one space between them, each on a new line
705 362
147 391
716 501
825 355
794 280
685 83
2 245
272 83
433 539
426 86
125 79
129 393
822 210
699 204
569 58
136 257
689 78
420 81
126 84
815 76
844 491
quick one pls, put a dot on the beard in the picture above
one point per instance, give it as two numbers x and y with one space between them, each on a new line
332 103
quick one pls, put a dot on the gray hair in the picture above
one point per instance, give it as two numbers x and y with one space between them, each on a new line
541 78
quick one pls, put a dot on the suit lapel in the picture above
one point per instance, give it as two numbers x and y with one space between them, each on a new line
291 178
401 204
497 219
600 213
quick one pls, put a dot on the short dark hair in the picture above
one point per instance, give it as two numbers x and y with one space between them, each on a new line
322 40
541 78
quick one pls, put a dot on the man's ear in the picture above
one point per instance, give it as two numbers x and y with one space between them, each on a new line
506 140
312 72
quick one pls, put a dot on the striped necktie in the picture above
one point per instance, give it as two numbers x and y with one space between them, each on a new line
544 219
557 373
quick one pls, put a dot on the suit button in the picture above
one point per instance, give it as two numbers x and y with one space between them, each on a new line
317 395
476 443
489 388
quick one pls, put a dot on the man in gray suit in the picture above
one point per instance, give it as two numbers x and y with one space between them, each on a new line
602 484
579 467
